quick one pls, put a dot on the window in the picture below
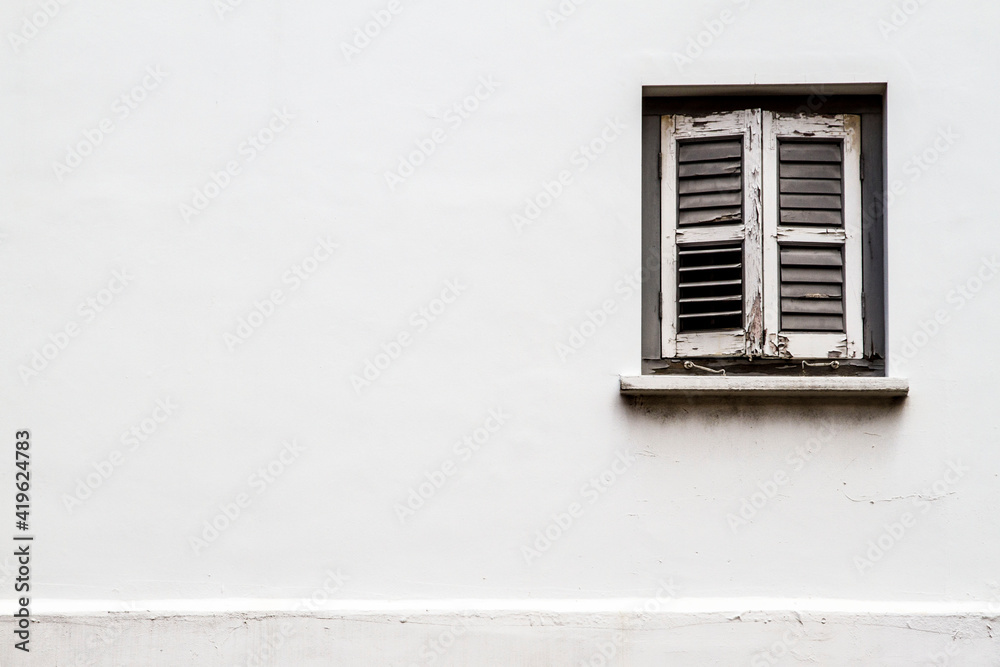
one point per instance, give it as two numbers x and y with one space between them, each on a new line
762 234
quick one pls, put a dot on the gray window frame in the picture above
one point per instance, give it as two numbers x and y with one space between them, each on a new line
866 100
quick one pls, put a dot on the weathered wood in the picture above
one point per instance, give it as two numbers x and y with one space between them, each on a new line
669 228
711 200
810 202
703 151
711 344
810 186
704 216
853 295
824 323
712 184
716 313
812 290
803 275
708 168
753 279
710 267
712 283
806 234
683 251
811 257
809 152
709 234
709 225
812 217
711 299
794 225
805 306
806 170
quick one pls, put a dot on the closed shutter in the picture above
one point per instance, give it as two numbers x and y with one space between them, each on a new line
812 249
711 233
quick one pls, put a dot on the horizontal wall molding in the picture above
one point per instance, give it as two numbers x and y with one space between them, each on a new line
634 632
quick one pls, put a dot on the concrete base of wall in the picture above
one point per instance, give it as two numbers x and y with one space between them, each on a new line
545 633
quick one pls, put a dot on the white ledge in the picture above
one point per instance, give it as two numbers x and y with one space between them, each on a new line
682 385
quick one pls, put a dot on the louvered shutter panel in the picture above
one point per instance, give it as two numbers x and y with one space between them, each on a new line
710 278
812 288
710 283
812 253
711 233
710 182
810 183
810 192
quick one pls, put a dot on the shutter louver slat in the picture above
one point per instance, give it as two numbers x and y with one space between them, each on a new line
813 290
700 216
799 170
716 184
803 217
829 202
703 151
810 151
708 168
818 323
711 200
809 185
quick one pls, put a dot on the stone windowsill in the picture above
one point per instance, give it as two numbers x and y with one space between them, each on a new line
674 385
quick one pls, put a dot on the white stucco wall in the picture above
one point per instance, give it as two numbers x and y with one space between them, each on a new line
338 124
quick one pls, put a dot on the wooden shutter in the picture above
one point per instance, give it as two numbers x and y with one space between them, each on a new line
812 231
711 235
